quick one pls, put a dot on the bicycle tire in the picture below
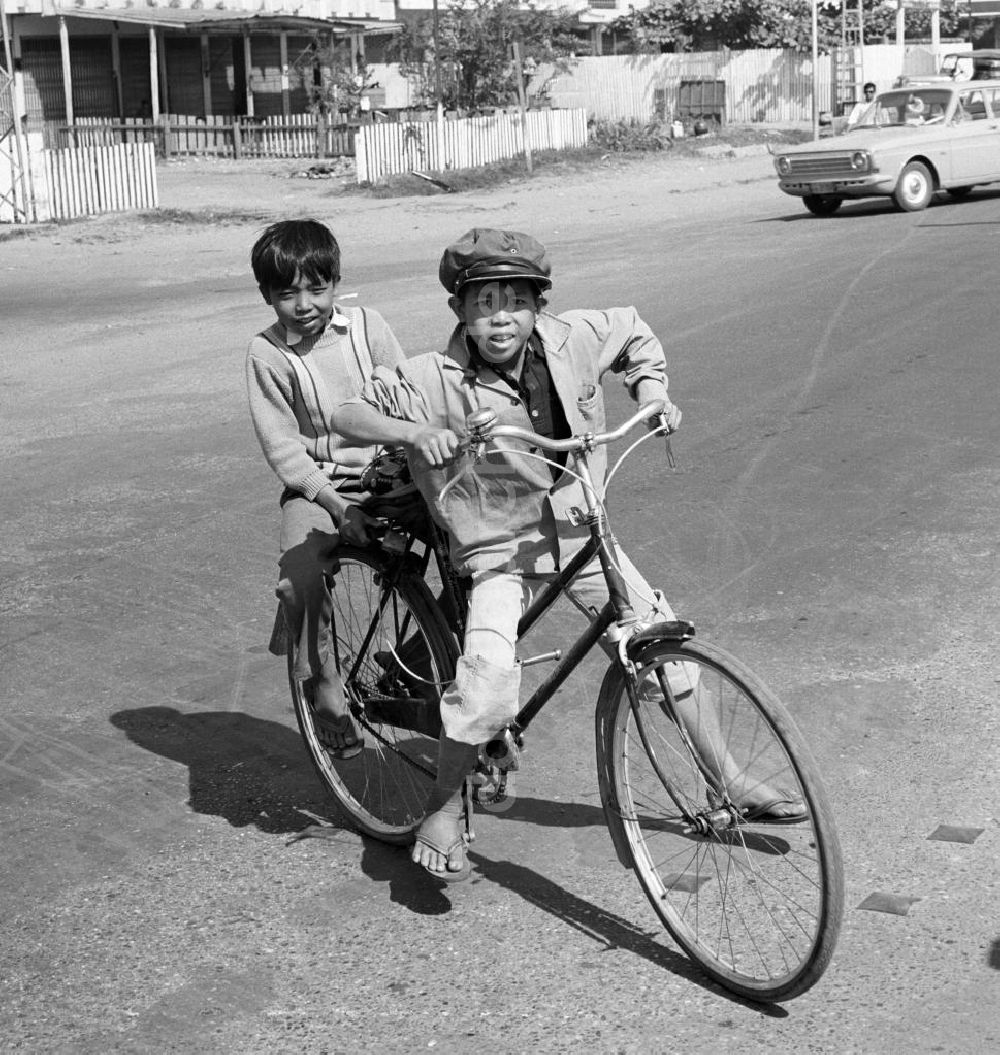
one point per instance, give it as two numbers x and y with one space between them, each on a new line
378 612
757 905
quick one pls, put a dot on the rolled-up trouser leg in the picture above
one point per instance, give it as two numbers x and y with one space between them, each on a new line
480 701
484 695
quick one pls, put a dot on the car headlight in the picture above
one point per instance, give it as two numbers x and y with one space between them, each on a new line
861 161
783 165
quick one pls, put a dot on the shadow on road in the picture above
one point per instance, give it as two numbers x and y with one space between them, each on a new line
548 813
993 957
246 770
606 928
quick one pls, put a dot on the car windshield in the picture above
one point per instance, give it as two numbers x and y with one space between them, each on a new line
907 107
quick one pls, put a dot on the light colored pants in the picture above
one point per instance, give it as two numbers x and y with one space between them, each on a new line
484 695
309 542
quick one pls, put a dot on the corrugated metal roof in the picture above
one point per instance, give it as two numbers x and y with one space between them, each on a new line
187 18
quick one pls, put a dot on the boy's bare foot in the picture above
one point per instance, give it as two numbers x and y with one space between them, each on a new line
440 848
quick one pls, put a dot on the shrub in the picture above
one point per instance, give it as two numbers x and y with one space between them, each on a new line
630 136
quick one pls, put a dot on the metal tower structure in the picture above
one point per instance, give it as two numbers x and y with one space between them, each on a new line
15 199
848 57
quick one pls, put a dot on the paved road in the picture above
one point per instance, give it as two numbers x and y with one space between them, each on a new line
832 520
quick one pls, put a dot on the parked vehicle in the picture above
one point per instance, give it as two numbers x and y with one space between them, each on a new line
981 64
911 143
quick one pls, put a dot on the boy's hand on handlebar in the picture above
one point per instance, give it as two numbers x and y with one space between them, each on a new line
437 447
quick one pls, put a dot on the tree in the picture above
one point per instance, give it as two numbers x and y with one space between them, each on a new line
708 25
330 83
473 43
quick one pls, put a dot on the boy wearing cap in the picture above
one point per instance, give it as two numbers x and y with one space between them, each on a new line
508 521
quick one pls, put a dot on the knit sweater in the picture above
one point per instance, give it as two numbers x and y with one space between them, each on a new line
295 389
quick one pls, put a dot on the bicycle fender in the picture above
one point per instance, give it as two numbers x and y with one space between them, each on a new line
610 687
668 630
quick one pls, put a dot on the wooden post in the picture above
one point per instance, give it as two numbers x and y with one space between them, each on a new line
154 76
116 72
237 138
248 67
515 49
166 135
206 75
161 44
66 72
322 123
439 138
286 105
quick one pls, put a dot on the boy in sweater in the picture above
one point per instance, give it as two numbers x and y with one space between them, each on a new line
313 357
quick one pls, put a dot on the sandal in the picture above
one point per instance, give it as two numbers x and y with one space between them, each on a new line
447 875
338 735
465 837
763 813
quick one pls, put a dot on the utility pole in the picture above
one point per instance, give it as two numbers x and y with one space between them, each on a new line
437 57
815 70
515 52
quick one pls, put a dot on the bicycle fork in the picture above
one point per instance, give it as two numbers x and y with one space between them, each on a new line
702 822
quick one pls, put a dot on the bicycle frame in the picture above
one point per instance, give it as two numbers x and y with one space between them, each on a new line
618 611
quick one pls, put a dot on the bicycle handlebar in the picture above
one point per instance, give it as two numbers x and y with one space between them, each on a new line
483 428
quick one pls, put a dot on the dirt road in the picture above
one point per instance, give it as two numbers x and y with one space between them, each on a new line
152 776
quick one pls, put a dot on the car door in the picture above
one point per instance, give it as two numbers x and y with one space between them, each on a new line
993 102
975 139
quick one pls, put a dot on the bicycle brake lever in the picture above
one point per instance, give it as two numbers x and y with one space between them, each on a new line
667 432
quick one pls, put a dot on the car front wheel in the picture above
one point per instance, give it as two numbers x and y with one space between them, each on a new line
915 188
822 204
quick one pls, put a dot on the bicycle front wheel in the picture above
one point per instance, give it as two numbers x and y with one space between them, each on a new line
394 652
714 800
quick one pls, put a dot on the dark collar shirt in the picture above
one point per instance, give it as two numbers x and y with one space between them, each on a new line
536 391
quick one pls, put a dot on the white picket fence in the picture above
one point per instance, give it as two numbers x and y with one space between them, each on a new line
471 142
91 180
64 184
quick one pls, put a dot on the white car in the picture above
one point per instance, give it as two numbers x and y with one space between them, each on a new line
910 143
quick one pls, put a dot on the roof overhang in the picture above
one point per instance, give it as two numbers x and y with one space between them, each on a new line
201 20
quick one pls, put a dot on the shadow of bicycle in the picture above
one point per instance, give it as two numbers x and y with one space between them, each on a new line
246 770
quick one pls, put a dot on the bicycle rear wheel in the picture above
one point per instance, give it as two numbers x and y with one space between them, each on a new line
394 652
755 903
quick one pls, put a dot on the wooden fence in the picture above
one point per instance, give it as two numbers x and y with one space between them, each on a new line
471 142
86 180
300 135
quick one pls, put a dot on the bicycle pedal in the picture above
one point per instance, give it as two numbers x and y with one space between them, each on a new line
489 785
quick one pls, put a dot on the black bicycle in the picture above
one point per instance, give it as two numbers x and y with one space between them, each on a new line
687 738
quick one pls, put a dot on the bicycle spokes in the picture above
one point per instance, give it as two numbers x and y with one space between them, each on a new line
717 804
